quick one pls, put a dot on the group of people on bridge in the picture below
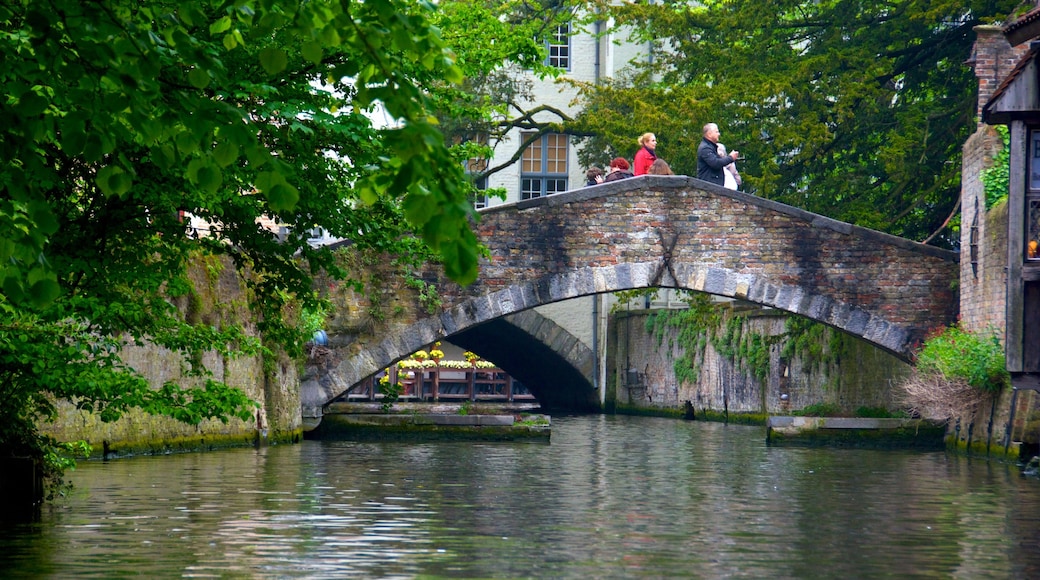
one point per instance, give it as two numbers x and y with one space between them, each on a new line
714 164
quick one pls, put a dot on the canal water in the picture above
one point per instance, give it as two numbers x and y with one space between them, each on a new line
609 497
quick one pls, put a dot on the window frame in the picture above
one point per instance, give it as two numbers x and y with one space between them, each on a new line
562 44
475 166
549 182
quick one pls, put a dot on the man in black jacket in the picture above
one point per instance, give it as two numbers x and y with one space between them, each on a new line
709 163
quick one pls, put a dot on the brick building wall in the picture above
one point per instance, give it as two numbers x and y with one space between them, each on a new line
993 58
983 277
984 257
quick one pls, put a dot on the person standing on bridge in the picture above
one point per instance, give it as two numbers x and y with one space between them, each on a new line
646 155
594 176
660 167
710 164
619 169
730 173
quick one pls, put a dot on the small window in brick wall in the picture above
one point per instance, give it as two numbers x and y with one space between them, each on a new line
973 241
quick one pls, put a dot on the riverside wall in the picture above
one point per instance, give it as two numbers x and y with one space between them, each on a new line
219 296
650 370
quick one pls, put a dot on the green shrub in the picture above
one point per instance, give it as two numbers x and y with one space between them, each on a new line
880 413
819 410
977 358
995 180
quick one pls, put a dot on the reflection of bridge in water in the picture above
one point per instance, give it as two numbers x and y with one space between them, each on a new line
437 384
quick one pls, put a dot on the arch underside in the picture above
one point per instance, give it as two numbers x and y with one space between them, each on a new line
477 310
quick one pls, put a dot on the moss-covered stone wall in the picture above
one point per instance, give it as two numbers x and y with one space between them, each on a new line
220 294
744 360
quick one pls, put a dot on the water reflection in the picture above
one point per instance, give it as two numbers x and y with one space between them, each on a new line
609 497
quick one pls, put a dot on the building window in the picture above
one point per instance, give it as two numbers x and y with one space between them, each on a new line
1033 200
480 199
973 241
475 166
559 46
543 166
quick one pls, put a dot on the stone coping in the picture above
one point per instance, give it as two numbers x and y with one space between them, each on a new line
802 423
858 432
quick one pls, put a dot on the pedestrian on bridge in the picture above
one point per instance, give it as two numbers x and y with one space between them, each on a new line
730 174
646 155
710 164
594 176
660 167
619 169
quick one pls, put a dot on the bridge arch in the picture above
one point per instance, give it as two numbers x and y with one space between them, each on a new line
684 233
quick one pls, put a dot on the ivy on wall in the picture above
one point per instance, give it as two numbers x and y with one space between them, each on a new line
995 179
705 322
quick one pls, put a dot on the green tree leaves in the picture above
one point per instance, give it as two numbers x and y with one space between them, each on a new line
854 110
125 118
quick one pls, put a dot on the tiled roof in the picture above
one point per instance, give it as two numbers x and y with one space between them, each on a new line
1026 27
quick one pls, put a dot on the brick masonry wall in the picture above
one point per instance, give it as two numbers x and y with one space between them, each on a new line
729 244
993 59
983 289
983 295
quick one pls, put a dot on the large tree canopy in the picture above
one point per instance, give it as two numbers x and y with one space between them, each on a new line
120 116
856 110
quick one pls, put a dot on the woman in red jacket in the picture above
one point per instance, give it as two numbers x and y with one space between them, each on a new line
645 156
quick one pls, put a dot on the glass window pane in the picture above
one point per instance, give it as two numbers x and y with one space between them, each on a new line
531 161
556 154
1033 230
1034 162
530 188
559 46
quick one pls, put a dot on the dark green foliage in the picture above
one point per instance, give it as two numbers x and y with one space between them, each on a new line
391 393
121 116
819 410
702 323
855 110
813 342
880 413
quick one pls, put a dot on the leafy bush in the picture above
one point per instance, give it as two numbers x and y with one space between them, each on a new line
880 413
977 358
819 410
996 179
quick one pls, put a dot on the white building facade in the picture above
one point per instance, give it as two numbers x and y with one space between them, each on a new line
550 164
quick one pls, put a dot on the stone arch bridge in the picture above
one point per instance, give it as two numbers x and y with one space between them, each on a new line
670 232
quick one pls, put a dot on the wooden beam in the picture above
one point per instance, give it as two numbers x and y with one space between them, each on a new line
1016 244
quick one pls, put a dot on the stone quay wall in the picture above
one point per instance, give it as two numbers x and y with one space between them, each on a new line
832 369
219 295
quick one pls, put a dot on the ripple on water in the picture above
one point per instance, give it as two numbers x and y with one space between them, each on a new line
608 497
